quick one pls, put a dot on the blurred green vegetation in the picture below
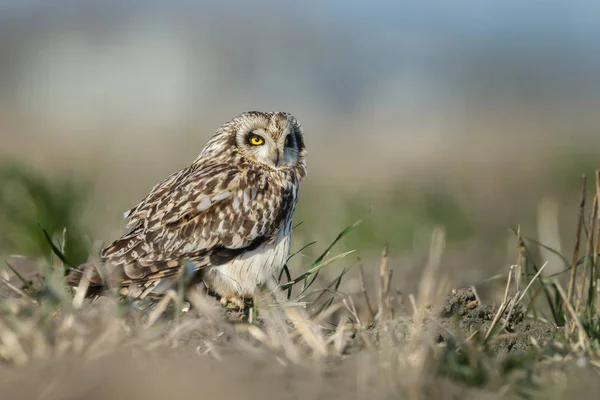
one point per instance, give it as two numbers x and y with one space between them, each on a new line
31 203
475 206
402 214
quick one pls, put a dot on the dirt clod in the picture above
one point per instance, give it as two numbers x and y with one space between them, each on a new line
463 316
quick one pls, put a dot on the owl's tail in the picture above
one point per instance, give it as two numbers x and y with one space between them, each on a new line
76 275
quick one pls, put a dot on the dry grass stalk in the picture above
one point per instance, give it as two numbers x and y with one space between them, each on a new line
597 297
596 247
597 233
431 293
14 288
82 289
308 331
521 259
328 312
587 260
430 279
583 341
503 305
339 337
278 331
531 282
160 308
577 239
351 308
384 313
12 349
365 294
513 302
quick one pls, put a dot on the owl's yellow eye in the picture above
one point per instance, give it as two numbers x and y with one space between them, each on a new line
287 140
256 140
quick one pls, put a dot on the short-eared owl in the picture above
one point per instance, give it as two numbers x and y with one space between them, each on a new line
229 213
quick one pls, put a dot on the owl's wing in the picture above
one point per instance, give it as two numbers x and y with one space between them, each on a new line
207 215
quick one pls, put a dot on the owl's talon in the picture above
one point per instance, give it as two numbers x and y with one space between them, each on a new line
236 301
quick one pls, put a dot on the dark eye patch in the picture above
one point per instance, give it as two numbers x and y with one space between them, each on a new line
289 140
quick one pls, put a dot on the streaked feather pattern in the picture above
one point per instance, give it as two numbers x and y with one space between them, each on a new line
226 208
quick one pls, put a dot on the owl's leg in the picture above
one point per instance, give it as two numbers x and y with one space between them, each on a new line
235 300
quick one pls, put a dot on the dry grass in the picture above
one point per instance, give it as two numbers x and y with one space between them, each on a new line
114 348
311 336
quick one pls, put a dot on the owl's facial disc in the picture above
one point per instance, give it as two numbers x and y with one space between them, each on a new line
276 150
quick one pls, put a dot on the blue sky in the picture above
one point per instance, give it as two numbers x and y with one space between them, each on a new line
341 50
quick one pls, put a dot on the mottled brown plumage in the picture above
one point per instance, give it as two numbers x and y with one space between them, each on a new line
229 213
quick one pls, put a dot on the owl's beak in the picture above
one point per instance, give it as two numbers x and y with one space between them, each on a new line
277 156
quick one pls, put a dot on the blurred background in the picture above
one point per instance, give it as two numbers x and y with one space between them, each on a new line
477 116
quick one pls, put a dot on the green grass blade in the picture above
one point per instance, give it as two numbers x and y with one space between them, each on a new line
297 225
550 249
55 249
315 270
301 249
288 276
343 233
336 285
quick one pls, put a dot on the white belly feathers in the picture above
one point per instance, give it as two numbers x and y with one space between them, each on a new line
252 269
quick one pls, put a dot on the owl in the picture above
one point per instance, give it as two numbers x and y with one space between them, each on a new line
228 215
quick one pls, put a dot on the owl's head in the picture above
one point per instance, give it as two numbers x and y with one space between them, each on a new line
272 139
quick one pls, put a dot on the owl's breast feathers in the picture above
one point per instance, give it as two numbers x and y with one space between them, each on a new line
206 215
